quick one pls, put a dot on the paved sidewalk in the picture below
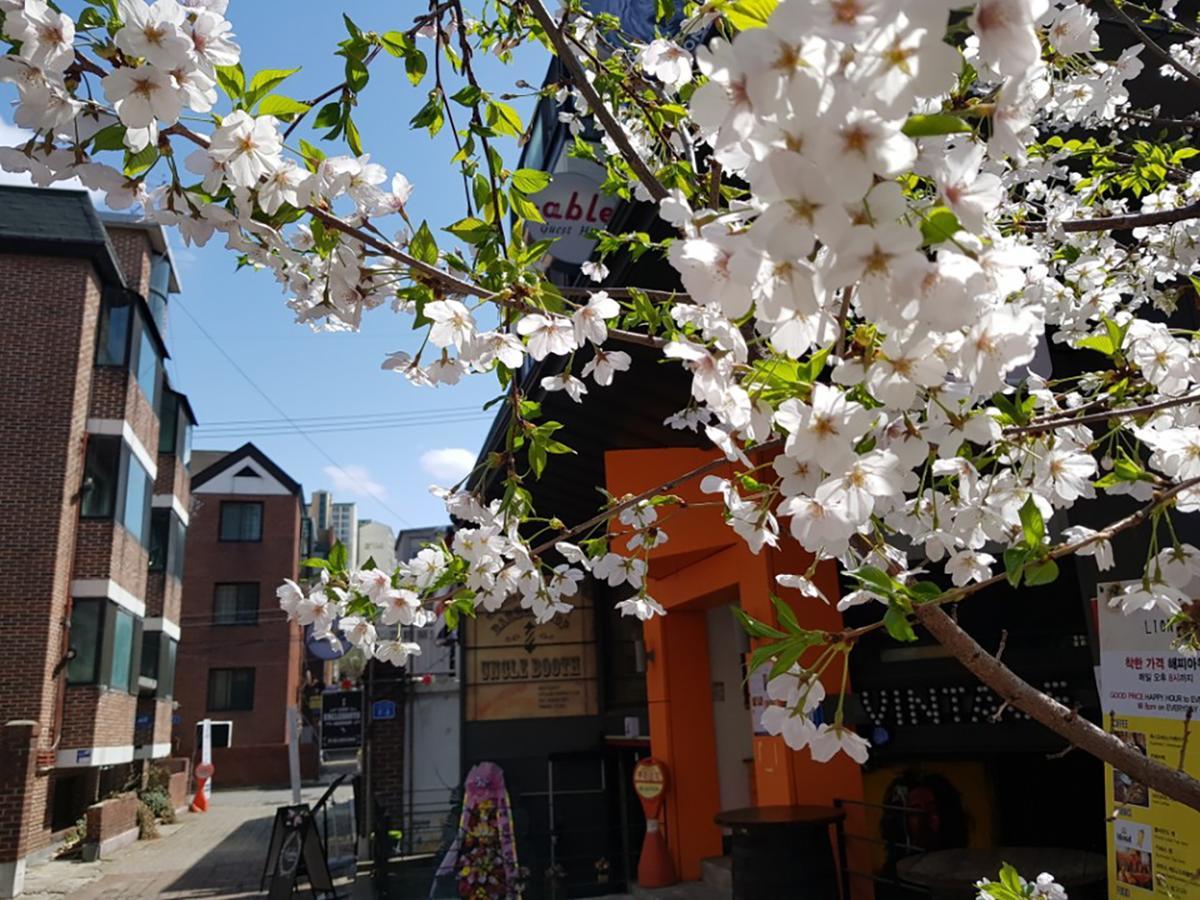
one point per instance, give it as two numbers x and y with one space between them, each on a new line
218 854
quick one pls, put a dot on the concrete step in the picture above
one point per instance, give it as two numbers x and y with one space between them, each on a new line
686 890
717 872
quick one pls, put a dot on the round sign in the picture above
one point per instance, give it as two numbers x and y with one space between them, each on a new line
205 770
573 207
325 648
650 783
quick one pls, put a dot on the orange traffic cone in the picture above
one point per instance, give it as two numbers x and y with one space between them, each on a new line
199 802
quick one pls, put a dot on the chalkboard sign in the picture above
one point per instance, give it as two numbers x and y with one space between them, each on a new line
341 720
295 849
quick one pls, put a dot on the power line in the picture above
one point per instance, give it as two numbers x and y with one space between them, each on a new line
369 416
275 406
337 429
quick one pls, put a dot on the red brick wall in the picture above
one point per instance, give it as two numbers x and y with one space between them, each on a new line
19 806
116 394
133 254
179 781
385 742
172 478
263 766
272 647
106 550
164 593
96 717
109 818
51 306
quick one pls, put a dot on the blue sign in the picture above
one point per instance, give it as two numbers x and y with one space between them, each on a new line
83 756
142 720
323 647
177 719
382 710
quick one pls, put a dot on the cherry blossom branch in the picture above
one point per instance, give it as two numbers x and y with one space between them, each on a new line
311 104
1120 223
1051 423
699 471
1156 49
605 117
1067 723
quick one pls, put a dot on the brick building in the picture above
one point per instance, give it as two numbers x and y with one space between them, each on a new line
93 469
241 666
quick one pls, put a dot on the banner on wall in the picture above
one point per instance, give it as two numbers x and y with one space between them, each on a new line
1146 691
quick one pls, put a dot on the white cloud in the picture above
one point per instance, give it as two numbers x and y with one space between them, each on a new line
448 465
355 481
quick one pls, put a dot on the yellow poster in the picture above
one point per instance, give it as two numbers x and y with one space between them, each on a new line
1147 690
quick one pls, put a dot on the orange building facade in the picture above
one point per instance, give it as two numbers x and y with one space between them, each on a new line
705 565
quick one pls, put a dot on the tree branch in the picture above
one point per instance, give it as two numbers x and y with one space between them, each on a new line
1119 223
1154 47
596 106
1050 423
1067 723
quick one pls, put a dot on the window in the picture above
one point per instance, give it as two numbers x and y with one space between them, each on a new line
158 662
106 641
168 422
112 334
135 513
121 672
160 284
230 689
148 366
87 628
101 476
236 604
168 537
241 521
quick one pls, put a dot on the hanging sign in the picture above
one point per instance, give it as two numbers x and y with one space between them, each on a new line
573 207
1150 694
341 720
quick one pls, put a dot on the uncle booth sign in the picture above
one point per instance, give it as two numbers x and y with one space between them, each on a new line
573 207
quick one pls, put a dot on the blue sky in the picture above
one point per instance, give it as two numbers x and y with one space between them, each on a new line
319 377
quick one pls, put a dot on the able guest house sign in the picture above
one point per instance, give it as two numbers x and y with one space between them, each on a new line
573 207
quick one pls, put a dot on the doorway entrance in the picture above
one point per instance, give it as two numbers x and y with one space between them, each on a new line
732 725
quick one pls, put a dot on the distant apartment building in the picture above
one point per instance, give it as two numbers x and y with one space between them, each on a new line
377 541
241 667
345 529
94 474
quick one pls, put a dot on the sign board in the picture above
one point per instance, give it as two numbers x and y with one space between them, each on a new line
323 648
517 669
573 207
295 848
341 720
1148 692
382 710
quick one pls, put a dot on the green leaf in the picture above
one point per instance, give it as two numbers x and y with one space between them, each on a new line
315 562
328 116
895 620
1010 878
415 65
137 163
266 81
338 555
537 458
664 10
279 105
785 614
89 19
1032 524
429 116
353 141
110 138
530 181
939 225
397 43
1116 333
924 591
353 30
312 155
357 74
232 80
468 96
1041 573
423 246
875 580
745 14
503 119
754 627
932 125
1014 564
524 208
473 231
1101 343
450 613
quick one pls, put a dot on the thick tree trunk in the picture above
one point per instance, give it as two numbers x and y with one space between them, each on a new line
1176 784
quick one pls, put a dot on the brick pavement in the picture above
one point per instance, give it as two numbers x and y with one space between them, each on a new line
218 854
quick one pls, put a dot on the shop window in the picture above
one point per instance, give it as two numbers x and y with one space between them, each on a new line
112 333
230 690
241 521
236 604
135 512
101 476
86 634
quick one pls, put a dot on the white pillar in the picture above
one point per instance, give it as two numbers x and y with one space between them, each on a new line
294 751
206 752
